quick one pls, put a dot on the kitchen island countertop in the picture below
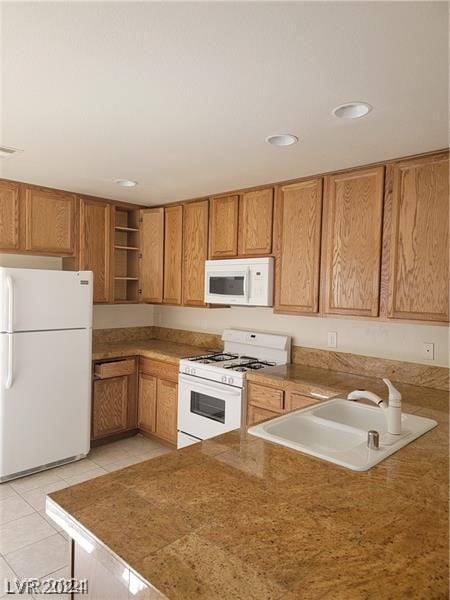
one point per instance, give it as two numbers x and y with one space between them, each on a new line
236 517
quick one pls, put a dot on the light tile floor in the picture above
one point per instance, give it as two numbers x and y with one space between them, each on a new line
31 544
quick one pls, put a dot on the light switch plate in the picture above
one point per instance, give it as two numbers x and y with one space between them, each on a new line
428 351
332 339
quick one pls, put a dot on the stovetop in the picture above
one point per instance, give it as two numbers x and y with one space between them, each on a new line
232 362
244 351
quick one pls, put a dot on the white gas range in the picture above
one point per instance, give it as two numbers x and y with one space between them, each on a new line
211 390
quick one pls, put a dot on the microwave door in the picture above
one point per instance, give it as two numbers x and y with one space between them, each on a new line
225 287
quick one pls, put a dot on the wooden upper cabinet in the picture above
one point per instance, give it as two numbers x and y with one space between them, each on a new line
223 227
353 213
9 215
95 245
195 251
49 221
255 222
152 254
173 235
419 251
298 230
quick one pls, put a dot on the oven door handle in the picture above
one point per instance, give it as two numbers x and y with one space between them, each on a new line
209 386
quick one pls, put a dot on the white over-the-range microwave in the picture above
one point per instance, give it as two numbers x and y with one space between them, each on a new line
243 281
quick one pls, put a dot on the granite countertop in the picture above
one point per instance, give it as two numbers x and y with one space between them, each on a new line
236 517
156 349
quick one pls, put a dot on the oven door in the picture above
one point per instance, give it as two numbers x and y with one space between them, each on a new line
207 408
227 286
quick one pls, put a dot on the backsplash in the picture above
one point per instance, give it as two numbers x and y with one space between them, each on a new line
344 362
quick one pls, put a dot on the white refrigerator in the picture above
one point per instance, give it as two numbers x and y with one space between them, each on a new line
45 369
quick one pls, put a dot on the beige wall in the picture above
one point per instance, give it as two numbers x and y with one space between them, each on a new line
120 315
398 341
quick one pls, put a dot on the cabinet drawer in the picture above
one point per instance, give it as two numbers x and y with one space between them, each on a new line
266 397
256 415
115 368
159 369
295 401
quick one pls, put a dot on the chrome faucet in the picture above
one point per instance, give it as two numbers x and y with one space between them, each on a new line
392 410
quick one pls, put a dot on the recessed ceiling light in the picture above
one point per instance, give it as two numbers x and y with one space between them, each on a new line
126 183
282 139
352 110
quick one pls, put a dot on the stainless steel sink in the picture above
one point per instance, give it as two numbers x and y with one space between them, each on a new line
337 431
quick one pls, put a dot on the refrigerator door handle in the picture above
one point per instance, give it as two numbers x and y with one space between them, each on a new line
10 375
10 287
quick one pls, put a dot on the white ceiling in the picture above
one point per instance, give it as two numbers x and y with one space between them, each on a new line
180 96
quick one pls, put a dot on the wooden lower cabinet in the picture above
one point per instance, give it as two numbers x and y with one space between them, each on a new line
255 414
266 402
109 414
113 398
158 399
147 403
295 401
166 410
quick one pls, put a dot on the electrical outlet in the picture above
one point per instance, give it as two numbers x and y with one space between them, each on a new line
428 351
332 339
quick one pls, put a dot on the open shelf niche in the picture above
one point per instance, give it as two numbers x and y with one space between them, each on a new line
126 255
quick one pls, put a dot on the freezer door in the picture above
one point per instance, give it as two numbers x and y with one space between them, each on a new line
45 398
36 300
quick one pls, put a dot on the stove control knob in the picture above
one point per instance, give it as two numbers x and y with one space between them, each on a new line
230 380
224 379
192 371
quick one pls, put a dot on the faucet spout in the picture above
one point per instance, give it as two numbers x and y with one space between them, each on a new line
392 409
366 395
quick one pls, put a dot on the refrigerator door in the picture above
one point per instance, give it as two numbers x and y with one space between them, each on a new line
45 392
36 300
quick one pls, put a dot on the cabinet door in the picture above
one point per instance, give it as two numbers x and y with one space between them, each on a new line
353 214
195 252
298 227
109 409
256 414
223 223
152 254
147 403
419 269
255 223
173 235
265 397
95 245
166 410
9 215
49 221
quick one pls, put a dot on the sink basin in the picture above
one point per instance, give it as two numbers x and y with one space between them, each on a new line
336 431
